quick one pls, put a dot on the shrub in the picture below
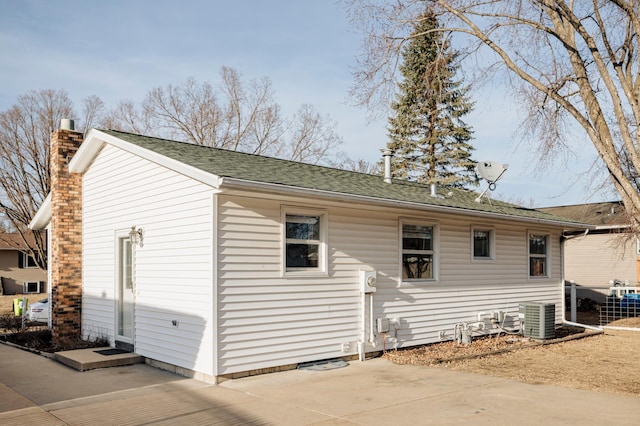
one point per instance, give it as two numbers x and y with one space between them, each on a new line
11 323
41 340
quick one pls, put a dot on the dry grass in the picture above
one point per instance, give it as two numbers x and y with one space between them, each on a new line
601 362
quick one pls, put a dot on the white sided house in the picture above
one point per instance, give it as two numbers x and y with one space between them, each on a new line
222 263
594 259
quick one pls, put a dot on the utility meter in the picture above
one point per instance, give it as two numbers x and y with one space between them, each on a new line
368 281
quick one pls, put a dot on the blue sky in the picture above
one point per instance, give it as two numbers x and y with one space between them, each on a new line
119 50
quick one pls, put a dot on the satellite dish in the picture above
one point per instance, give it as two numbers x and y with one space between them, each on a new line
491 171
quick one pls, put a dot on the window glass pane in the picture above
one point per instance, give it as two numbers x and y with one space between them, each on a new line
481 243
29 262
303 227
302 255
417 266
417 237
537 244
538 266
127 264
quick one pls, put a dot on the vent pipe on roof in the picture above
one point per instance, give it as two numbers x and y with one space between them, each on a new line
434 191
67 124
387 154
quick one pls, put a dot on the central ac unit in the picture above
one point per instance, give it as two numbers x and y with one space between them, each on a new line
537 320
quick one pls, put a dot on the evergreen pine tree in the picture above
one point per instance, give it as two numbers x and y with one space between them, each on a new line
427 133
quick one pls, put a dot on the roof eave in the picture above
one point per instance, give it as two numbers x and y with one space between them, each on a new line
287 189
96 140
43 216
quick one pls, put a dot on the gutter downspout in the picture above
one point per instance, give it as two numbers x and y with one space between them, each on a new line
562 281
372 336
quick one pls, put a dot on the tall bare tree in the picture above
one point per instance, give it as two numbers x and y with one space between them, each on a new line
233 115
575 62
312 137
25 133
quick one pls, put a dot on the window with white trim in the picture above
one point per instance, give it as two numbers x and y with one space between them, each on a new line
304 241
538 255
418 251
26 261
483 243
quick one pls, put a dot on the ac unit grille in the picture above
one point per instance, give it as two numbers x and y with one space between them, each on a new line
537 320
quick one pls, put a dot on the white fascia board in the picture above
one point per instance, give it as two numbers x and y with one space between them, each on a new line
240 183
96 140
88 150
42 216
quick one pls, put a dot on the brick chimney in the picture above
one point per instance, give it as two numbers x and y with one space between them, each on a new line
66 236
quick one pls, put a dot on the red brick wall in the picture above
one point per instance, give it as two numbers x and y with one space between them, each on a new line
65 258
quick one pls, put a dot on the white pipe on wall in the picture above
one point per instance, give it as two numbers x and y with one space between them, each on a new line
363 324
372 336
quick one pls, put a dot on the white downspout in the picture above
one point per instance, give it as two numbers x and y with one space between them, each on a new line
372 336
363 325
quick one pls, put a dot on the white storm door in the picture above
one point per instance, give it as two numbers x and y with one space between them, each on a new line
125 302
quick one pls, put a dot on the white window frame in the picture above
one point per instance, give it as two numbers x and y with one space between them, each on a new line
25 261
434 252
546 256
492 243
322 267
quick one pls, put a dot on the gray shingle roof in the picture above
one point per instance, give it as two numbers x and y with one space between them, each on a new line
606 214
274 171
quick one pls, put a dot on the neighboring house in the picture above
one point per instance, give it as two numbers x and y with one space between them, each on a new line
607 252
19 273
222 263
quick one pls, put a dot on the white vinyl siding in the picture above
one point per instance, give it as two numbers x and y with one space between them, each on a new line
267 320
592 261
173 267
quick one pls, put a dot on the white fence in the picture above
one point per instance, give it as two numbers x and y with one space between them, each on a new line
620 308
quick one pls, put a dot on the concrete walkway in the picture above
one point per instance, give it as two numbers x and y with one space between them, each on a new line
38 391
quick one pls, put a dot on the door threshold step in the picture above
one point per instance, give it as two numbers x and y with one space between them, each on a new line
90 359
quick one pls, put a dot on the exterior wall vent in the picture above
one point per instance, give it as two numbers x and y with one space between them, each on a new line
537 320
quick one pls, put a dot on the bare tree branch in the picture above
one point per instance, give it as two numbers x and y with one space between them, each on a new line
236 116
578 63
25 133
